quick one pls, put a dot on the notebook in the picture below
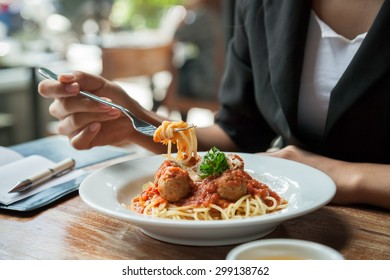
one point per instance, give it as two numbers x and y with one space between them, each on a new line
18 160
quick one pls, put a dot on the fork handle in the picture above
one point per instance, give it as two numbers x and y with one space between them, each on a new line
100 100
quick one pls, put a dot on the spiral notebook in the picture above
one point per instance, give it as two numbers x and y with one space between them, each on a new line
15 159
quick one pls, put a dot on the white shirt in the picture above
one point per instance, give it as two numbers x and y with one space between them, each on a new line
327 55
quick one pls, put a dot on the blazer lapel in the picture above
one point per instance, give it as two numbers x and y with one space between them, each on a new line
286 30
365 68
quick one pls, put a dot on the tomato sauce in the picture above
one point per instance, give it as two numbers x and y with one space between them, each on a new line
205 193
139 203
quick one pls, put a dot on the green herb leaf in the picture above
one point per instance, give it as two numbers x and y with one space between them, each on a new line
214 163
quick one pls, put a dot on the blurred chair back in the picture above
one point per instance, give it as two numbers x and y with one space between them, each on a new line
125 62
122 63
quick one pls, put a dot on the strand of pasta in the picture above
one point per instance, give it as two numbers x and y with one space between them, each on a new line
274 203
187 150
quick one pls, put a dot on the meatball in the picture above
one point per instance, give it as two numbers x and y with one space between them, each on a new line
231 185
166 163
174 183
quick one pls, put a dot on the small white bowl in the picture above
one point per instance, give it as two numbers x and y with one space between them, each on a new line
283 249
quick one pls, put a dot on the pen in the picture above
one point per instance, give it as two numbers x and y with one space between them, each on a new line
56 171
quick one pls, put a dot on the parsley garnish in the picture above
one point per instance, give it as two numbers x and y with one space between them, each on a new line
214 163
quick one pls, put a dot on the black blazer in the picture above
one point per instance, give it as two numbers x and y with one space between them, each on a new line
260 87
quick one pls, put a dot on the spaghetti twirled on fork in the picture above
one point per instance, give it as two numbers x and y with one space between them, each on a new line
181 134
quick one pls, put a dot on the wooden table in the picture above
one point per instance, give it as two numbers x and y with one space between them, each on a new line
69 229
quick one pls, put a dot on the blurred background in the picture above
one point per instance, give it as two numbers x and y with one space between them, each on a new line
167 54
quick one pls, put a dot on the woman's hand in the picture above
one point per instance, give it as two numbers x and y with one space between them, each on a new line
356 182
88 123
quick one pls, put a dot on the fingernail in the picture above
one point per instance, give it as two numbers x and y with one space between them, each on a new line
104 106
72 88
68 75
113 112
94 127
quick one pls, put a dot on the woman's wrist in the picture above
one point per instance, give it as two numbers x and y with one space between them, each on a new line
349 183
363 183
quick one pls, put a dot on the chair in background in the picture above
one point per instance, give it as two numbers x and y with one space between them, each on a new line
144 53
128 56
128 65
121 64
125 62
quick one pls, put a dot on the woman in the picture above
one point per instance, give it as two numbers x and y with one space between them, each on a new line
314 72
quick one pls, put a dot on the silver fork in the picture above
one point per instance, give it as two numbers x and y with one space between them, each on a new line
139 125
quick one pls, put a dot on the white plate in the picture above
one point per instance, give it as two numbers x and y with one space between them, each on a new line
111 189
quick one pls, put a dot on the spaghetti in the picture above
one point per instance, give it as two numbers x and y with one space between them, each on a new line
179 190
185 139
